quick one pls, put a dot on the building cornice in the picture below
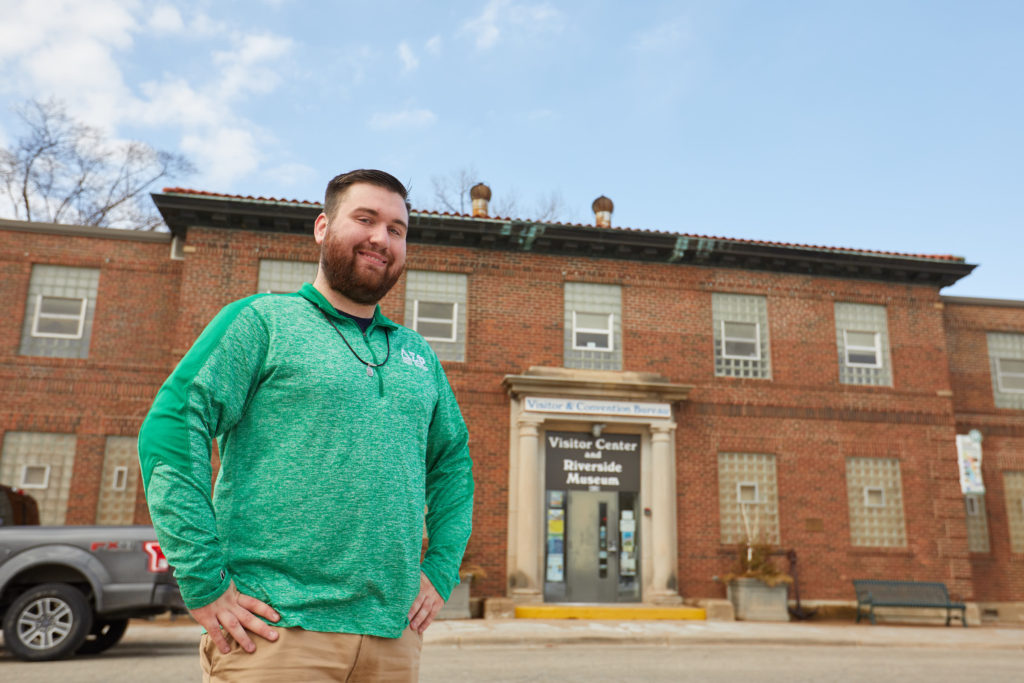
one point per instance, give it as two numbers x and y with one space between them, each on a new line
183 210
85 231
972 301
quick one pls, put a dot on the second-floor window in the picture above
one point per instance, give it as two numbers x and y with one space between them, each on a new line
862 340
59 311
284 277
1006 360
593 326
741 336
435 306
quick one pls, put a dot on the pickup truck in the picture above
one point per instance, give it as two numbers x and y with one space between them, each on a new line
68 590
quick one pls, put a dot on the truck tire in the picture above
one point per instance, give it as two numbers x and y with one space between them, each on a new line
104 635
48 621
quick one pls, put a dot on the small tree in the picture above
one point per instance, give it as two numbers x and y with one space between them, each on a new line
63 171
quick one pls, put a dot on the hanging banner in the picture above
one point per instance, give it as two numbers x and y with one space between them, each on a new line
968 455
577 461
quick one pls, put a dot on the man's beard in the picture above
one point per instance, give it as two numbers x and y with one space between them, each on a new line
339 268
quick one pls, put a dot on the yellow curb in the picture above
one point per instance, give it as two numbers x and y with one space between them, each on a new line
609 612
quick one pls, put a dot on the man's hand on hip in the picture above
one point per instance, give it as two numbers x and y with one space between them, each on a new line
236 614
428 603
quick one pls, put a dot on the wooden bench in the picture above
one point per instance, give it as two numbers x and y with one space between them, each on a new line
872 593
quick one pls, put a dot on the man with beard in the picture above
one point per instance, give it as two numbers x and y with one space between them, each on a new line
335 428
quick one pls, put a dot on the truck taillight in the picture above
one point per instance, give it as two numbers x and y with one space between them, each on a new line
157 561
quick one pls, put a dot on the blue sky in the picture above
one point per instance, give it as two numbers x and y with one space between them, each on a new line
876 125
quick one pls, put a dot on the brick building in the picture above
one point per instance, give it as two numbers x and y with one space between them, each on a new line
638 402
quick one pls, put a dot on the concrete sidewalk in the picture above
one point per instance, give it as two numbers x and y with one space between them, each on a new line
544 633
535 632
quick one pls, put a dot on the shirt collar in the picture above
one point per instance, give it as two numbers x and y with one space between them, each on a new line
313 295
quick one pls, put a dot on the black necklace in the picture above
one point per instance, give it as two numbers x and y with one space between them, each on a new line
369 366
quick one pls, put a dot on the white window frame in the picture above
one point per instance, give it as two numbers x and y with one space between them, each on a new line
867 496
757 493
454 320
1000 373
877 348
80 317
610 331
27 485
120 479
757 340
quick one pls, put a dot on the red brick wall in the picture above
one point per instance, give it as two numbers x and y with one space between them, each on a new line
108 393
997 574
151 309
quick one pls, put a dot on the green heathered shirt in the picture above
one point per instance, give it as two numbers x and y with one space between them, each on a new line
319 503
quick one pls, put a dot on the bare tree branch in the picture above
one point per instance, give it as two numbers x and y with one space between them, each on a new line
451 191
62 171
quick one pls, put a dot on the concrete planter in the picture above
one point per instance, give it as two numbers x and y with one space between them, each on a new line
754 600
457 606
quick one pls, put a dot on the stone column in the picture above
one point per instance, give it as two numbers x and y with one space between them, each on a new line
527 584
663 517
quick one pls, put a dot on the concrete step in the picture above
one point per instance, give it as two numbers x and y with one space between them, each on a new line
615 612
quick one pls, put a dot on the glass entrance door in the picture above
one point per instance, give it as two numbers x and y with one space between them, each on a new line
592 553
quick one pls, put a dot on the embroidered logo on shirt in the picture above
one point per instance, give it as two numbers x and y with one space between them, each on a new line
416 359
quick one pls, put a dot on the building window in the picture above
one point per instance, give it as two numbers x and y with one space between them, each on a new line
863 349
875 497
43 463
119 491
593 326
435 306
1010 372
977 523
746 492
747 498
59 317
1013 487
35 476
120 482
1006 358
741 341
741 336
862 338
59 311
592 331
436 320
284 277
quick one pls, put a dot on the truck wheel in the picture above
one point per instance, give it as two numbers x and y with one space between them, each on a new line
104 635
48 621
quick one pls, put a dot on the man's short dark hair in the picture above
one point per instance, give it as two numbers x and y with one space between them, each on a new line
340 183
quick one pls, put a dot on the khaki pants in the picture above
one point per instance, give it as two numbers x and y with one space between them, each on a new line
300 655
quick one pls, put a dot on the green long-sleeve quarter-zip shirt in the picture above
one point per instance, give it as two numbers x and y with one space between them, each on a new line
318 507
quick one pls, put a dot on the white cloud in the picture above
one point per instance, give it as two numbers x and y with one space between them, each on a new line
409 61
410 118
250 65
499 16
433 46
202 25
74 50
166 19
222 154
